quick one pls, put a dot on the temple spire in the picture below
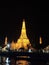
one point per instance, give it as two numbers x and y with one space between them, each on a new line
23 30
6 40
40 40
23 24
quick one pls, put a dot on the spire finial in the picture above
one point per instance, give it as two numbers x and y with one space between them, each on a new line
23 23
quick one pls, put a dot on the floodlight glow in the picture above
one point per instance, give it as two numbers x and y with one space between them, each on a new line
8 45
7 60
29 50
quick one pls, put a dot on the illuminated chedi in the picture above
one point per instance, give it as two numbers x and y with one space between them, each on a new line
23 41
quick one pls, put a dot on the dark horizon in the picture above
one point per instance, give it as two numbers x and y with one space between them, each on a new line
36 23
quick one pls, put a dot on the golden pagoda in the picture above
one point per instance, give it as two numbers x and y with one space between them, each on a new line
23 40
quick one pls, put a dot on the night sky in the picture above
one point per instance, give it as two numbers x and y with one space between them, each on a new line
36 23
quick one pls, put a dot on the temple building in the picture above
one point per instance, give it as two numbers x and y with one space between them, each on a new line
23 41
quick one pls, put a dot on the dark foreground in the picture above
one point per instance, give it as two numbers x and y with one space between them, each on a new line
17 58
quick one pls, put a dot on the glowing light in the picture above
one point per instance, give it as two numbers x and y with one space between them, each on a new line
5 40
40 40
46 49
30 50
7 60
8 45
23 40
12 45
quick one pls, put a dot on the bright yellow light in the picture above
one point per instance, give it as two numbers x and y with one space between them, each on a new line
23 25
23 40
12 45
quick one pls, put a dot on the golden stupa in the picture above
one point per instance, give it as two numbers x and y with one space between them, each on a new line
23 41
